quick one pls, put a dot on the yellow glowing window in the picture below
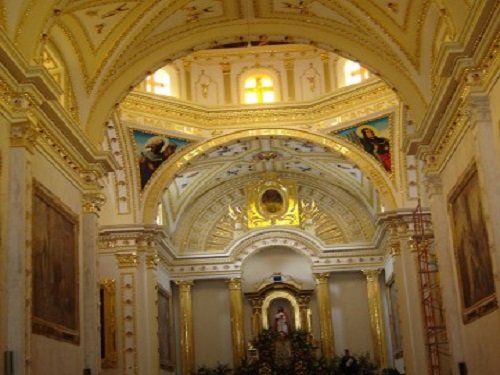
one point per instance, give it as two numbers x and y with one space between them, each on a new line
159 83
259 89
354 73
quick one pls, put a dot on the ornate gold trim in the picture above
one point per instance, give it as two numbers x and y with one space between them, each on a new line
126 260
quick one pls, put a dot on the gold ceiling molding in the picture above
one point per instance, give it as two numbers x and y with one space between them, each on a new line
242 116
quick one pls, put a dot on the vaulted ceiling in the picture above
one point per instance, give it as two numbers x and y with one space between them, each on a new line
109 46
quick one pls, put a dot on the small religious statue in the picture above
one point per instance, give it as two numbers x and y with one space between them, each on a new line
281 321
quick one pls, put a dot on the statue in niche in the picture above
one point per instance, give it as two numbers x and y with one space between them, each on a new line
281 322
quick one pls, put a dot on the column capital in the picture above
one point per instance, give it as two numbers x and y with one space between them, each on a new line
23 134
325 57
186 64
184 285
395 248
234 283
322 278
226 67
433 184
152 260
289 63
478 105
372 274
92 203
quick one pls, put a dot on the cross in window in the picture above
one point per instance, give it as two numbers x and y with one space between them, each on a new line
261 90
362 72
152 84
263 85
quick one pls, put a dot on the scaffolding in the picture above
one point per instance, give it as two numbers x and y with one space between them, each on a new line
434 320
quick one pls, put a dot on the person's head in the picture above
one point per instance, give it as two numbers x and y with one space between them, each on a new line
280 309
367 133
155 144
346 351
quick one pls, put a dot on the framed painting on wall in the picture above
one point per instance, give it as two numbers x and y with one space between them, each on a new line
472 248
165 330
55 293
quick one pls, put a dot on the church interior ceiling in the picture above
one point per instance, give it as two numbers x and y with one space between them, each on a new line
107 47
100 51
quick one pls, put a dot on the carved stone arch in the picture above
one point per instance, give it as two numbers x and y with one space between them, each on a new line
351 44
166 173
255 241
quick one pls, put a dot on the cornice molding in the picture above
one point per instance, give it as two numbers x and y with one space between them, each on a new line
465 67
30 94
243 116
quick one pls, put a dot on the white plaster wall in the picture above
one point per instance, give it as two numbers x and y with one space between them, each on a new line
49 354
211 323
479 338
4 162
264 263
350 313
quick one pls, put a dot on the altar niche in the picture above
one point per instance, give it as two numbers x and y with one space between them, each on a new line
280 306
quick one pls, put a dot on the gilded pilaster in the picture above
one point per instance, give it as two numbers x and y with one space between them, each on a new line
290 77
376 316
237 328
187 77
186 326
226 72
327 77
325 315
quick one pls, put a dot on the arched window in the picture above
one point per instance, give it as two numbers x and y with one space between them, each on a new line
354 73
159 83
259 89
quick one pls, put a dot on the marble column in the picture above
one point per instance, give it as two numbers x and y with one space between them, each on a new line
376 316
237 328
226 72
325 315
186 326
91 205
409 300
18 245
290 78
